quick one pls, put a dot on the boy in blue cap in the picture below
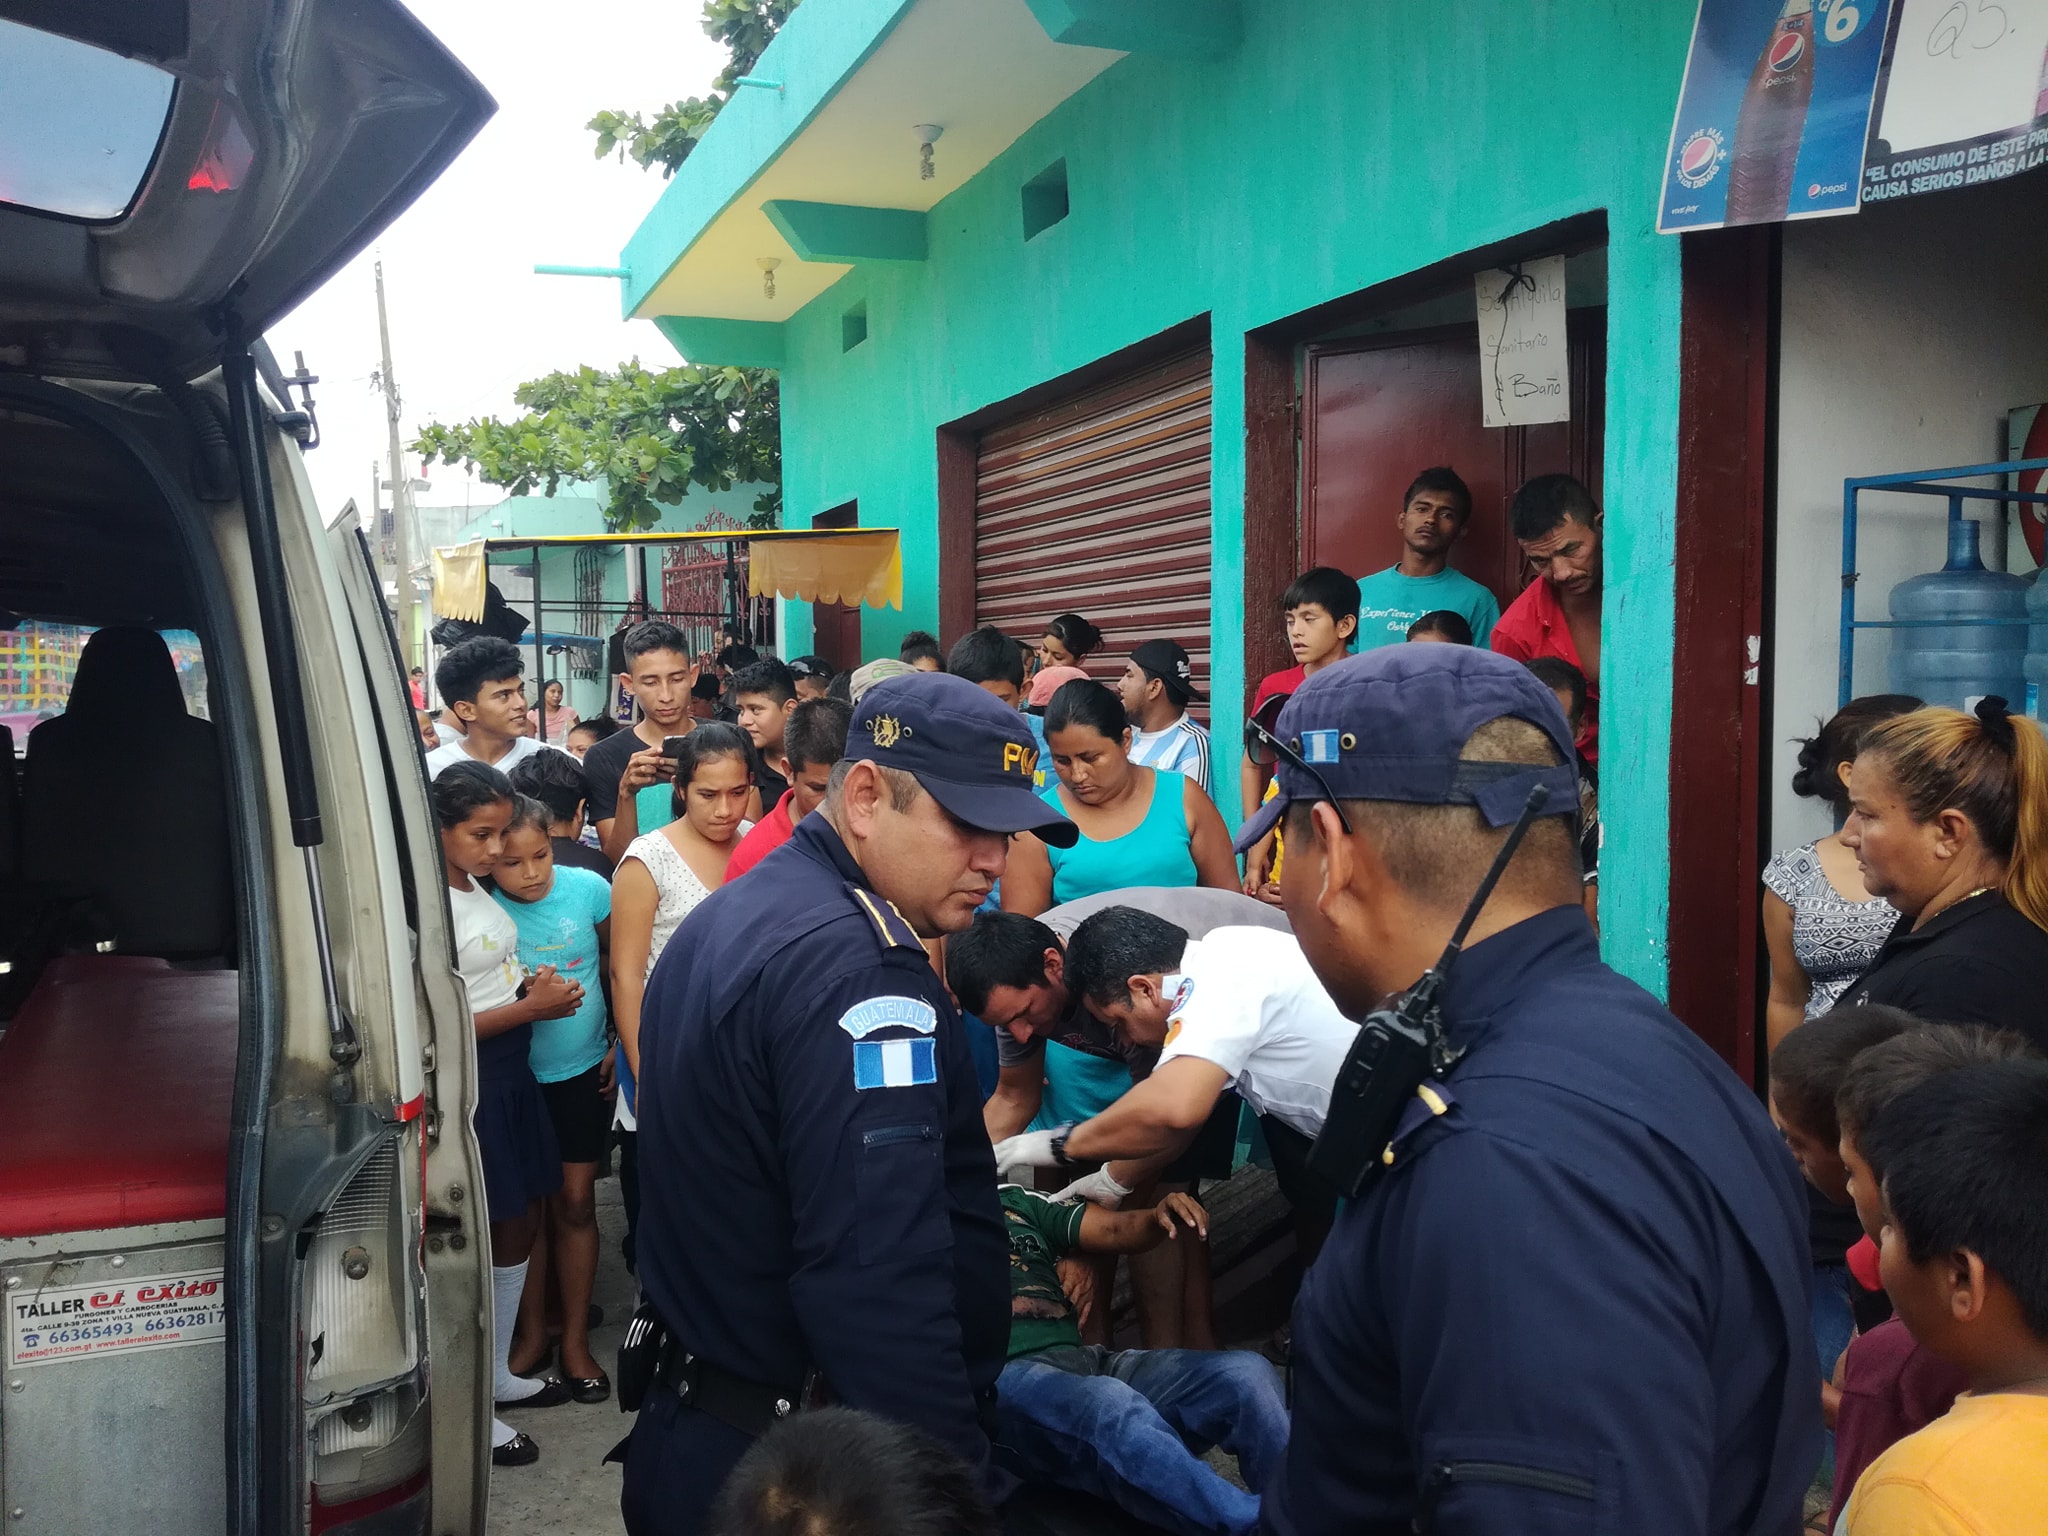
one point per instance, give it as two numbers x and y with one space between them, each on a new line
1642 1363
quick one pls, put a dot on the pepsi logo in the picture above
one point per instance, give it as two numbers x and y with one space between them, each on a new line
1700 156
1786 51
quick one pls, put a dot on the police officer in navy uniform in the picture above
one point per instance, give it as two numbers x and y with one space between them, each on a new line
819 1218
1574 1297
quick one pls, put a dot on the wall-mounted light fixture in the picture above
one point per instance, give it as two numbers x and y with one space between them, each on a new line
927 136
768 264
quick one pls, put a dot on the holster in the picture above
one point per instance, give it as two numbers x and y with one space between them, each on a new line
639 1357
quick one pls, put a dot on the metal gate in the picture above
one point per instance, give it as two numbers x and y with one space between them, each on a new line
704 592
1099 505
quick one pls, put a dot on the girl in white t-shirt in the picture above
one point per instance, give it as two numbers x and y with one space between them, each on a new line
522 1165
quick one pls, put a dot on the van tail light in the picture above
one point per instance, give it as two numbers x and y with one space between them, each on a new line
363 1384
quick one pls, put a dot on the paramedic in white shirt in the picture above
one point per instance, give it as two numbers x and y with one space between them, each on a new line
1156 685
1237 1009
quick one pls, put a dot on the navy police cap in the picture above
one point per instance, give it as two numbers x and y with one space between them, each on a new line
971 752
1389 725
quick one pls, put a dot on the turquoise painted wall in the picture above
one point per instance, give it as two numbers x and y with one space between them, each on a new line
1340 146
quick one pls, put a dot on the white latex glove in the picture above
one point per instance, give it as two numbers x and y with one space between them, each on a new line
1028 1149
1098 1188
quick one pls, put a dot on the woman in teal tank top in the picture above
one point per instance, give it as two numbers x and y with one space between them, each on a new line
1139 826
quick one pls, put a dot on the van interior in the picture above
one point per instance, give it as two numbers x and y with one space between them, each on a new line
118 989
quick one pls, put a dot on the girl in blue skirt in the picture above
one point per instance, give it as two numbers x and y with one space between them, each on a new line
522 1165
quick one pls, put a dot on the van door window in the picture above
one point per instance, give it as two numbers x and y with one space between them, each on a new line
79 125
38 662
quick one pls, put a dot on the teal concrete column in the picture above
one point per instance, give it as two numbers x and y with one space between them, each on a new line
1640 491
1227 617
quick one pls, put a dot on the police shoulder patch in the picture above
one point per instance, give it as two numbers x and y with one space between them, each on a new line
864 1018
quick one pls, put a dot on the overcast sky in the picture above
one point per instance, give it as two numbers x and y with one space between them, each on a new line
469 319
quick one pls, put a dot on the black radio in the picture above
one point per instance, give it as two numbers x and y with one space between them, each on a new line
1399 1048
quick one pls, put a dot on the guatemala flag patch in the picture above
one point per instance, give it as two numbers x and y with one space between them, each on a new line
894 1063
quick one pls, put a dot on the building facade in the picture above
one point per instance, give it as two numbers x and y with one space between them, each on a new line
1188 296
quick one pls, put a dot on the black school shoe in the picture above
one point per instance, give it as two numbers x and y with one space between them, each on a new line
519 1451
590 1389
553 1393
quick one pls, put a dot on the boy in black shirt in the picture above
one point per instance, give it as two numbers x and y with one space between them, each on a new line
628 775
765 694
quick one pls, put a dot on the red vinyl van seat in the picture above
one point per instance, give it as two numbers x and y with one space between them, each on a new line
116 1084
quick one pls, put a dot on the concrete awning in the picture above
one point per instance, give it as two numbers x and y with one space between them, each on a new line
817 167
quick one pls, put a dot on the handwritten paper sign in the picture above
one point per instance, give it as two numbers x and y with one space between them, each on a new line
1524 371
1962 99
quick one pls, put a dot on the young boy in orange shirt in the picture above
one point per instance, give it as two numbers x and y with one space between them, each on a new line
1964 1257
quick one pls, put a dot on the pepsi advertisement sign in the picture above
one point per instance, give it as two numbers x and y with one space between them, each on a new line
1774 113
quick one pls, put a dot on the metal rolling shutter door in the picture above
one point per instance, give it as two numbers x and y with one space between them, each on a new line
1099 505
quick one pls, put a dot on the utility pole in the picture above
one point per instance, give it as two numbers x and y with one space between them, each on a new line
401 486
378 540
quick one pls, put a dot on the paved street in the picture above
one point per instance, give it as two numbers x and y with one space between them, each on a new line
571 1492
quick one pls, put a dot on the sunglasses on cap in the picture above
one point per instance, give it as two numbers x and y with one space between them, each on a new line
1266 749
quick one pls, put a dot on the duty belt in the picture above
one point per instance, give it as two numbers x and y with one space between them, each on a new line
751 1407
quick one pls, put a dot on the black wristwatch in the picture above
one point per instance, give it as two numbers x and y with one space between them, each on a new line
1059 1147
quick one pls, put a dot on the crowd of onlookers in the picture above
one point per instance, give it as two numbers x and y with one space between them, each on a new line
574 848
1925 1143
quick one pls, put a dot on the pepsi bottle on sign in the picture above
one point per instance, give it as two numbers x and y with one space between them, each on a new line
1772 121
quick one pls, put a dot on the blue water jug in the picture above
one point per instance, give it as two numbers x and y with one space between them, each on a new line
1958 664
2037 645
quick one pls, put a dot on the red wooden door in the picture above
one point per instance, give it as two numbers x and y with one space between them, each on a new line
835 627
1375 412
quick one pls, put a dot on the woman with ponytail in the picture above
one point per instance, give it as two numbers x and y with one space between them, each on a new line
1948 818
1821 926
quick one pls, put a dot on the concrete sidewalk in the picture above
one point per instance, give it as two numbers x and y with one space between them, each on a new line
569 1491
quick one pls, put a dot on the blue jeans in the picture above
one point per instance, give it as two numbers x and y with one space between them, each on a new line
1834 1324
1129 1426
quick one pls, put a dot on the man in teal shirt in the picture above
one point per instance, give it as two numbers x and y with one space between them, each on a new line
1433 517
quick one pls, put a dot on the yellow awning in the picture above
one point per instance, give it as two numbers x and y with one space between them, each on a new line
811 565
852 568
459 578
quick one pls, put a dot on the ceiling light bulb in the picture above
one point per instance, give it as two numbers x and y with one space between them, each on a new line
927 135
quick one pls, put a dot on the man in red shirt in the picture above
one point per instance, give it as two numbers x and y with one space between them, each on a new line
813 740
1555 520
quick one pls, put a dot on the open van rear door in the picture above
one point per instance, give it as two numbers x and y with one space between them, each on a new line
167 157
457 1235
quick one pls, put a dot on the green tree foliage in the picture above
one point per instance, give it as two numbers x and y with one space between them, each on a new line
745 27
647 436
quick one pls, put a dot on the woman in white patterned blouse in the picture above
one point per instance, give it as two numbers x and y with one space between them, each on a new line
1822 927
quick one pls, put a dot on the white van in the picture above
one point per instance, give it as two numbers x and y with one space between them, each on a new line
243 1239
